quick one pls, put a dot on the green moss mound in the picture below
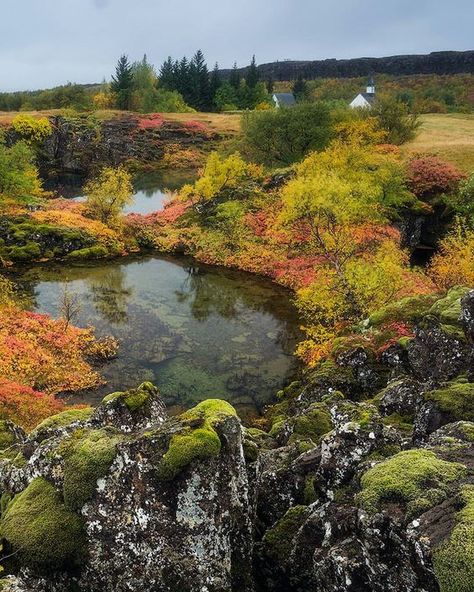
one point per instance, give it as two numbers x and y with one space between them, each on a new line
95 252
88 455
448 309
278 540
198 441
63 419
418 479
312 425
411 309
41 530
133 399
456 399
7 436
453 560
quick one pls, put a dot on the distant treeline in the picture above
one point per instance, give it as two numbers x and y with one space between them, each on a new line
179 85
187 84
442 62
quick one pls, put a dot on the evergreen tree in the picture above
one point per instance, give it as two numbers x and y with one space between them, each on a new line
252 74
122 83
200 85
300 88
215 83
183 79
270 85
168 74
234 77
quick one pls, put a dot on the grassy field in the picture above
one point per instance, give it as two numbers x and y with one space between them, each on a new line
449 136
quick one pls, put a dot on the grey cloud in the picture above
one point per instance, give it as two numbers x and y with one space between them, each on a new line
71 40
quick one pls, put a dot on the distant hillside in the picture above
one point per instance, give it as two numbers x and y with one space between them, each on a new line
441 62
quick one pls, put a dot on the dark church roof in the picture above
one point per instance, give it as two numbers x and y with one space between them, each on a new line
287 99
369 97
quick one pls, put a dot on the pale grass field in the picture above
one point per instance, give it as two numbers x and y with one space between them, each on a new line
450 136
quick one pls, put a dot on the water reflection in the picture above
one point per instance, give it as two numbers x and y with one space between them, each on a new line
151 190
195 331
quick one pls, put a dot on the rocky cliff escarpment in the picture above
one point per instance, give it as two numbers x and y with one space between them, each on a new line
364 481
80 144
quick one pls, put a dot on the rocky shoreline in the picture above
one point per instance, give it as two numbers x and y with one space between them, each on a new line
362 481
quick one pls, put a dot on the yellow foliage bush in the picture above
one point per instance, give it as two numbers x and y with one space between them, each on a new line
453 265
32 130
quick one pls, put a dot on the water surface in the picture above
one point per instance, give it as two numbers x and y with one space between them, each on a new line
151 190
195 331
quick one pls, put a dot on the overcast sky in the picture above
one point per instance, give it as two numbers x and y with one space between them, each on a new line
44 43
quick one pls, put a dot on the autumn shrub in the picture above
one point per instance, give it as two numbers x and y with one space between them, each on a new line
44 353
429 176
25 406
219 175
32 130
453 264
108 194
363 131
19 179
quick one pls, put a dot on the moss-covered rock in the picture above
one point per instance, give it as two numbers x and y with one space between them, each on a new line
411 309
41 530
417 479
455 400
133 399
448 309
453 560
60 420
197 440
87 455
95 252
7 435
278 541
312 424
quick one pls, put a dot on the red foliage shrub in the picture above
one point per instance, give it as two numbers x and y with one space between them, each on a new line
195 126
25 406
390 333
151 121
429 176
257 222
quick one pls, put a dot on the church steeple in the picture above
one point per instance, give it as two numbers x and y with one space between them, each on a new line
371 86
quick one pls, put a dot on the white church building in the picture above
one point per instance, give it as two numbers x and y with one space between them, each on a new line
365 100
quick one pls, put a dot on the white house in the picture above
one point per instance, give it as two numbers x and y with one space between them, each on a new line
365 100
283 100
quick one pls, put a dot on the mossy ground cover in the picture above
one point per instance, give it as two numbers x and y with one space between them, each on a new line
88 455
454 559
411 309
41 530
417 479
312 425
455 398
198 440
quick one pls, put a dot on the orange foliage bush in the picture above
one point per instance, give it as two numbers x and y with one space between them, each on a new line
25 406
44 353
